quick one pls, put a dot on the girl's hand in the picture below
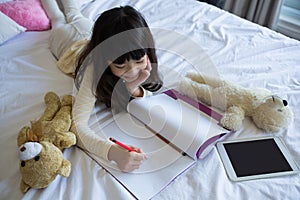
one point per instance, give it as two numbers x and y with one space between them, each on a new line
134 86
126 161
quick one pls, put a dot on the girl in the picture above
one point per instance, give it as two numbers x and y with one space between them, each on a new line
118 63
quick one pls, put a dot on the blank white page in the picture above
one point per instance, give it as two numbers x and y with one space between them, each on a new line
162 165
178 122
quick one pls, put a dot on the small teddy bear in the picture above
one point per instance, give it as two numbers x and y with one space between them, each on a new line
268 112
40 147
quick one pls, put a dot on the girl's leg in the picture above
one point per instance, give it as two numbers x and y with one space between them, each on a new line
58 23
74 17
64 34
54 13
71 10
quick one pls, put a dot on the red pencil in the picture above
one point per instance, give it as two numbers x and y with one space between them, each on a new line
122 145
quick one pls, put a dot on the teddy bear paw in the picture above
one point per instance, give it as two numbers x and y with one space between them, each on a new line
65 140
231 122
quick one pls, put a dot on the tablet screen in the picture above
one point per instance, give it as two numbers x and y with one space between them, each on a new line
256 157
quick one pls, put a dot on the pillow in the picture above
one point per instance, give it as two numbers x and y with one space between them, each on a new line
2 1
9 28
27 13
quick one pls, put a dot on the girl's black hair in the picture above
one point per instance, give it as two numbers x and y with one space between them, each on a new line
101 48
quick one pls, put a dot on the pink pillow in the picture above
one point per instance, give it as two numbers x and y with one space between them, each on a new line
27 13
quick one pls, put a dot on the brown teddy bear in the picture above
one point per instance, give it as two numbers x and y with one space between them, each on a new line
40 147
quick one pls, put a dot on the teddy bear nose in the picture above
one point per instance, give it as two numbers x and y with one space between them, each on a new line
23 149
29 150
285 103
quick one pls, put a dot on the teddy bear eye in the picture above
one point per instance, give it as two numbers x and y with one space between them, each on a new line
279 110
37 158
23 164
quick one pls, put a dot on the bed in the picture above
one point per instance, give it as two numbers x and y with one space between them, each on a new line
243 52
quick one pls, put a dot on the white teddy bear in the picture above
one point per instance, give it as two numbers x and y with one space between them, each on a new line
269 112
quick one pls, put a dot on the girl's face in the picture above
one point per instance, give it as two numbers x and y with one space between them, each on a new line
129 70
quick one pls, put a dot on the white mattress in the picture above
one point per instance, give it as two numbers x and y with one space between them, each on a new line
248 54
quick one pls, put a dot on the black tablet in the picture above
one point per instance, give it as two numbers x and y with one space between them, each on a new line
256 158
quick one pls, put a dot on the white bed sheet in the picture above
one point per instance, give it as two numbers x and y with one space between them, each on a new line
248 54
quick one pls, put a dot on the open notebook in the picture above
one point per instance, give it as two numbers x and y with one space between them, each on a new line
174 132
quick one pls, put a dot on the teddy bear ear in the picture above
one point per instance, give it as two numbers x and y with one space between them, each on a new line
22 136
31 136
65 168
24 187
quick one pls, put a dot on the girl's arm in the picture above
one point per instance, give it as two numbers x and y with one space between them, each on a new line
82 109
89 140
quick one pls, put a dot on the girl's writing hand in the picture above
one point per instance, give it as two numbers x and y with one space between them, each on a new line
126 161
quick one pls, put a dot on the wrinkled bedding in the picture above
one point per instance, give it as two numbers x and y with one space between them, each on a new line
237 50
